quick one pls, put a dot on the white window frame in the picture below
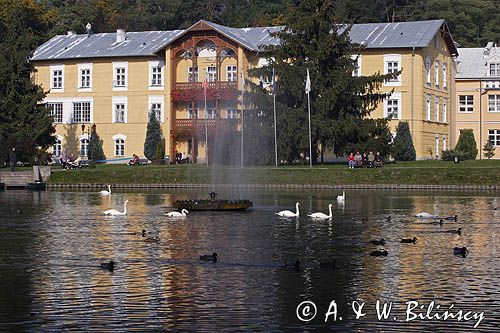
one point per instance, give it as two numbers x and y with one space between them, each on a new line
357 64
444 143
53 69
116 138
196 111
493 103
190 74
428 98
55 108
428 70
445 75
83 145
392 58
494 137
211 73
494 69
81 68
445 111
468 105
232 73
154 82
119 100
116 66
437 102
388 103
436 139
436 73
157 100
82 119
57 147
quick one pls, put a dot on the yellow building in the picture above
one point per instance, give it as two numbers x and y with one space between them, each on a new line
113 80
478 95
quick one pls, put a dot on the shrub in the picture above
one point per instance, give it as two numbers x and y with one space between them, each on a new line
467 144
402 147
489 150
449 155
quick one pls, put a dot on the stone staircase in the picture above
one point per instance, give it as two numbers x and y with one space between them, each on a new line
17 179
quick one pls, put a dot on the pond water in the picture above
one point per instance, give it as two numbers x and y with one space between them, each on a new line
52 243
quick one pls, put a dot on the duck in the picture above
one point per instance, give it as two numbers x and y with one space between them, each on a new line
110 266
461 251
114 212
436 222
451 218
341 198
425 215
379 253
457 232
143 233
183 213
104 192
209 257
388 218
295 265
327 265
409 240
287 213
322 216
377 242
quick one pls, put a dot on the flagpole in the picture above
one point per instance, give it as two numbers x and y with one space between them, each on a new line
275 129
206 118
242 107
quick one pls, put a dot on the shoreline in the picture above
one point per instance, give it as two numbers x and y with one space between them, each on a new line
282 186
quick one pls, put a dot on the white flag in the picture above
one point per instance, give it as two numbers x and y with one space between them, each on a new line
308 83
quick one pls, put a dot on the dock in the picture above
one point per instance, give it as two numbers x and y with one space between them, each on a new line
23 179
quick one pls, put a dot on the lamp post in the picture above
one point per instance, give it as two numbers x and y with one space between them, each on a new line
482 92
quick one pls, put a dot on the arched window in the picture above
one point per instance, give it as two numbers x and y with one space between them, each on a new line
119 147
57 148
84 146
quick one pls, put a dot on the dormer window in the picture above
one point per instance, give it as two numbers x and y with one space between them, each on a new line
494 69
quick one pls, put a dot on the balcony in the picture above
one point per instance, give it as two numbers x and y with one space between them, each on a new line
193 91
187 127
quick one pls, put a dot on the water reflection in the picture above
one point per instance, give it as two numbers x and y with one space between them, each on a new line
53 242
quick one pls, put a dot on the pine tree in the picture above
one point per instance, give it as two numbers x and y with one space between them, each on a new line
403 148
467 144
489 150
24 122
340 102
95 146
153 136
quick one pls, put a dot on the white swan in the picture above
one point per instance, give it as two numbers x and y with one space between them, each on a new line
341 198
104 192
287 213
114 212
425 215
183 213
322 216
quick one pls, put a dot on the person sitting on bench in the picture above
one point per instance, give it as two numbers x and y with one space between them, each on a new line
378 160
74 164
134 160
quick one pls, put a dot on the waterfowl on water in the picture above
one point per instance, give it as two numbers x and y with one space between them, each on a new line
341 198
209 257
183 213
104 192
436 222
425 215
295 265
377 242
409 240
327 265
451 218
287 213
322 216
457 232
379 253
110 266
461 251
114 212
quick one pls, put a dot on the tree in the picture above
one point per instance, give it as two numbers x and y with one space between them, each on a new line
403 149
489 150
95 146
25 123
340 102
153 136
467 144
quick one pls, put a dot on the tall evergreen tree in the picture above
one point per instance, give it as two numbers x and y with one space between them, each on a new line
340 102
488 150
403 148
95 146
24 122
153 136
467 144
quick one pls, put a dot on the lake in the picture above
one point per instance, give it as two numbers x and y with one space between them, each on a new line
52 244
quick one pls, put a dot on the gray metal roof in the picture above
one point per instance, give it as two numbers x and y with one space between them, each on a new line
148 43
472 64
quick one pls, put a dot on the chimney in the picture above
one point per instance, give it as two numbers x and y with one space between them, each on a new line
487 49
71 33
120 35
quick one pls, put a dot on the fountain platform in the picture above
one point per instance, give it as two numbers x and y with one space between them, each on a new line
213 204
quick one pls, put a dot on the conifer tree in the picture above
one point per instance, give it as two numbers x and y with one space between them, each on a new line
403 148
153 136
489 150
95 146
467 144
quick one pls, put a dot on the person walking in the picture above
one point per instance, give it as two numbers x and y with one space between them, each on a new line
13 159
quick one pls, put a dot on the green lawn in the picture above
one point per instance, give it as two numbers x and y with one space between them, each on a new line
485 172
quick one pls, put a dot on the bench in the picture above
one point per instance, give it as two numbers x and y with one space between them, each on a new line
84 164
142 161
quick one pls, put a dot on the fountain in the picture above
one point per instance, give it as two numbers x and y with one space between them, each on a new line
212 204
